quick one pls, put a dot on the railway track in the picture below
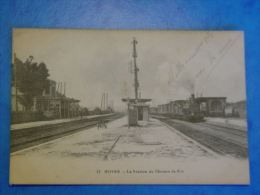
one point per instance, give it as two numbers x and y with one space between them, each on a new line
28 137
229 130
219 144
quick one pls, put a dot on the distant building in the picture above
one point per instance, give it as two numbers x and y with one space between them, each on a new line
236 109
57 103
51 102
212 106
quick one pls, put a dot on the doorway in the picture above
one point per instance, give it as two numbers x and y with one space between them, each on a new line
140 113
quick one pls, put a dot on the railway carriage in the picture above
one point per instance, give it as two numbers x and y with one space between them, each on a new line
182 109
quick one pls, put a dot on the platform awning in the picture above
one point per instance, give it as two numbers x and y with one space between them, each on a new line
140 104
204 99
136 100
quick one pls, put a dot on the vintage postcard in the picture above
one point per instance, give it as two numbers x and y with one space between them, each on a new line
128 107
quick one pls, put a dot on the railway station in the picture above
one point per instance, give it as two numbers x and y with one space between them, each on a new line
171 118
142 135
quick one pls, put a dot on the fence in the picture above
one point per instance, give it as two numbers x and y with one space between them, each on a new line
26 116
241 113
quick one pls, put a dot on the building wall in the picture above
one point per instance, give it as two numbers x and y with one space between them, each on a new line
216 107
51 89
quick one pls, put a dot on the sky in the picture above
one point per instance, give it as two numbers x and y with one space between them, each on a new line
172 64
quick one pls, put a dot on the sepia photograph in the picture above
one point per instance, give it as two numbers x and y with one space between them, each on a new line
128 107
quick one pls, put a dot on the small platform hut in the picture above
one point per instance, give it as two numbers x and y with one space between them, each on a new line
138 111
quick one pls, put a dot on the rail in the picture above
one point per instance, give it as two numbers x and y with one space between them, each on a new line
28 137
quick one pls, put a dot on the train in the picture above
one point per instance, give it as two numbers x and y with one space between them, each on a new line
187 110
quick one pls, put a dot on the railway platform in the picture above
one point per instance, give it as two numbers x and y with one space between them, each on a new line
80 157
51 122
153 139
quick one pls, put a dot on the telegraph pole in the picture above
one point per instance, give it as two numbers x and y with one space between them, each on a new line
61 88
107 102
101 102
136 84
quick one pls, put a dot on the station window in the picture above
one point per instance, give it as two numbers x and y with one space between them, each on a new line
216 106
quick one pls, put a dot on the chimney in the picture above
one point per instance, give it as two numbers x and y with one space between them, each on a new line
65 88
192 98
60 87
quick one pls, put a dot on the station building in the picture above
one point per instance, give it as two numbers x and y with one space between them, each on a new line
51 102
212 106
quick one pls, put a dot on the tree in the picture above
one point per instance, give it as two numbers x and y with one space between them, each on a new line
97 111
85 111
31 80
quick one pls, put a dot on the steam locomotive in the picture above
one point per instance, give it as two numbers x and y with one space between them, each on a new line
187 110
